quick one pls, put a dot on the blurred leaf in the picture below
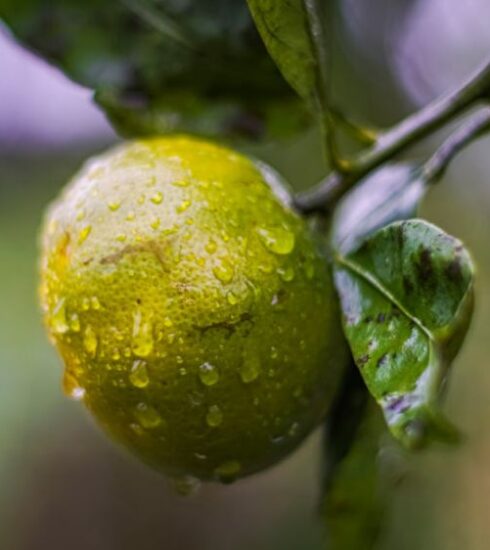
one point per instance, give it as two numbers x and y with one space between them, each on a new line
296 45
407 300
180 112
150 53
362 468
392 193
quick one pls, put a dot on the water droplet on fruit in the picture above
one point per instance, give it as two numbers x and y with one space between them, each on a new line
114 206
84 233
228 471
224 272
181 183
71 387
147 416
183 206
58 319
74 323
214 416
157 198
208 374
139 375
277 239
211 246
90 342
142 335
185 485
286 273
250 368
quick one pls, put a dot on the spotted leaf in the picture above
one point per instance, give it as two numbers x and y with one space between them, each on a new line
407 298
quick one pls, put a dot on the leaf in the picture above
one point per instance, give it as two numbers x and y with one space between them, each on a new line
407 297
294 43
392 193
150 53
357 500
361 468
181 112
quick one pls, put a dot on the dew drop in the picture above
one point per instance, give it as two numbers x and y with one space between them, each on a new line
277 239
294 429
139 375
286 274
211 246
181 183
214 416
147 416
228 471
58 319
157 198
250 368
208 374
183 206
232 298
142 335
71 387
84 233
224 272
185 485
114 206
137 429
309 269
90 342
74 323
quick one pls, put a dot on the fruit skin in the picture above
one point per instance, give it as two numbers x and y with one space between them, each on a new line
194 314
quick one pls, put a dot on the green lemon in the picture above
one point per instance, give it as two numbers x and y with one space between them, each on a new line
193 312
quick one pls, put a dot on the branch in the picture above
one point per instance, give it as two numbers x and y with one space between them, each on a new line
396 140
436 166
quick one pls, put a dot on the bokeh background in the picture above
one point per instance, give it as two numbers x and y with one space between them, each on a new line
63 485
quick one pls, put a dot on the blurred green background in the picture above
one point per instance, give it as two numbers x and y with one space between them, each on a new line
64 486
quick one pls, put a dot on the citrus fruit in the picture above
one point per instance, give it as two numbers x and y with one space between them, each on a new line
191 306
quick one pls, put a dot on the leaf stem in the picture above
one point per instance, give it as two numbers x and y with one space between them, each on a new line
478 125
318 41
396 140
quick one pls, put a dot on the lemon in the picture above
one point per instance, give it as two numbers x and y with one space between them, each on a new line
195 317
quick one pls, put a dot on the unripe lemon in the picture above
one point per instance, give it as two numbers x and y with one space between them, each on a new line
194 315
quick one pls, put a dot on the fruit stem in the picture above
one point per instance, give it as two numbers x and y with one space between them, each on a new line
395 140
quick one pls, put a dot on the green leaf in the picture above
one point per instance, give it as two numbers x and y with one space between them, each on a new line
390 194
293 32
160 62
407 299
362 468
356 503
